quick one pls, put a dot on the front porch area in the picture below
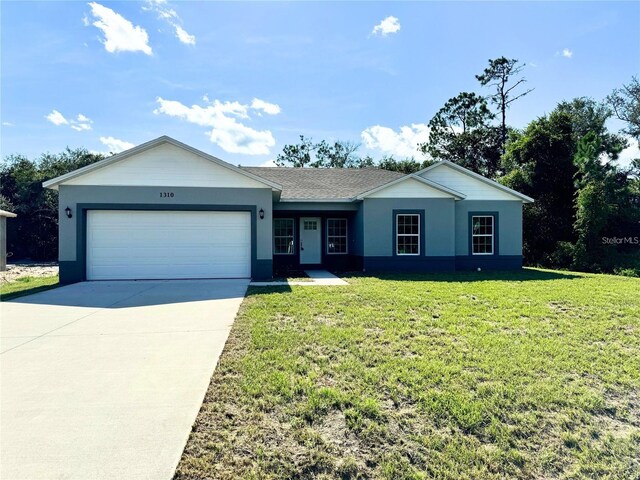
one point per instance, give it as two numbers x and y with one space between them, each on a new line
311 240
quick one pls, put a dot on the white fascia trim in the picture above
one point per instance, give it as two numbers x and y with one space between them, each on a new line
488 181
4 213
430 183
54 182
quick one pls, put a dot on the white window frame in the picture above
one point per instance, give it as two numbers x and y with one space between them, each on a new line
408 234
293 237
346 236
492 234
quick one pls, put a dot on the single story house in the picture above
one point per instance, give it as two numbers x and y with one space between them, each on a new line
166 210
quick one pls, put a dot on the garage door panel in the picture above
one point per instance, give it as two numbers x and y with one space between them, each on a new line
119 272
105 262
220 252
102 260
224 236
158 244
236 251
182 254
98 252
219 271
136 237
209 237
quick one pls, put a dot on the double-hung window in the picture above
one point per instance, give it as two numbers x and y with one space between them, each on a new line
283 236
408 234
336 235
482 234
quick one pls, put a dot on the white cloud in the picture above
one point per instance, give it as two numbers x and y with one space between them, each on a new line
79 124
184 37
266 107
402 143
385 27
7 124
119 33
566 53
172 17
116 145
630 153
268 163
57 118
159 6
226 131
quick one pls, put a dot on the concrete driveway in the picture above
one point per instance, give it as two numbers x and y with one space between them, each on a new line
104 379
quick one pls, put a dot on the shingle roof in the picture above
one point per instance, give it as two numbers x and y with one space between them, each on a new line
324 183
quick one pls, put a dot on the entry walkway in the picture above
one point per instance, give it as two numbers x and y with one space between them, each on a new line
318 278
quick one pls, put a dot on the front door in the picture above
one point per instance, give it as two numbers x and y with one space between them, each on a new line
310 241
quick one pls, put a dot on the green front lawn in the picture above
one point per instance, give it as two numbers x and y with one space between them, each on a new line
26 286
467 376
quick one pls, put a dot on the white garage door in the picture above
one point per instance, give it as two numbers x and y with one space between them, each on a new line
133 244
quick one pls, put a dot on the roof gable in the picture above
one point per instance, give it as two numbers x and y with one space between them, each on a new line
411 186
163 162
474 186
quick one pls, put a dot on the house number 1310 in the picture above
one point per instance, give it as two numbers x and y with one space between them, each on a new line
166 194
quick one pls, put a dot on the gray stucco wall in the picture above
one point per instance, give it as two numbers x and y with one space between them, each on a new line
439 215
316 206
72 195
509 224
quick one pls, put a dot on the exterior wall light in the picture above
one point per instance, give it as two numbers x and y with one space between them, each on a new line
261 213
68 212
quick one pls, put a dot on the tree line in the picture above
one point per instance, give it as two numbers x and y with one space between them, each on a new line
33 233
587 210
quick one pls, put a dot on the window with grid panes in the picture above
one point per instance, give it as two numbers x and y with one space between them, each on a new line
337 235
482 235
283 236
408 234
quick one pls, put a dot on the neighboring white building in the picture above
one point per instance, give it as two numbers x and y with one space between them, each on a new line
3 238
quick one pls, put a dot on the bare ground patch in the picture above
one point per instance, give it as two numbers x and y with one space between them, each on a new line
19 270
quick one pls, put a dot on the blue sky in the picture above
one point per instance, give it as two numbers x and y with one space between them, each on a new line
240 80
